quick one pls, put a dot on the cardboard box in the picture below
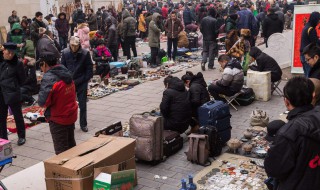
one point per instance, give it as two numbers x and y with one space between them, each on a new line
5 149
74 169
123 180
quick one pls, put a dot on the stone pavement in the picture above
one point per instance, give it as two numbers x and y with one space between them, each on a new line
120 107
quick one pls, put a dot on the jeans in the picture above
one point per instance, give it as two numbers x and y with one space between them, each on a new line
130 42
305 65
215 90
174 42
82 99
209 50
25 95
154 54
63 42
62 136
18 117
114 52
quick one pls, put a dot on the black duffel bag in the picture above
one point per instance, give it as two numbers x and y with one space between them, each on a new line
246 97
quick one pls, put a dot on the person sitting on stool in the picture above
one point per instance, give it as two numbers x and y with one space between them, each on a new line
232 78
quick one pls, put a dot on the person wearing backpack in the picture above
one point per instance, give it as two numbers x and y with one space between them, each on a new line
309 35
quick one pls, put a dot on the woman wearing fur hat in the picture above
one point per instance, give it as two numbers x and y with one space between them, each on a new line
83 34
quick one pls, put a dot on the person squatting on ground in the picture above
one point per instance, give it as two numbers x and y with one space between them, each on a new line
175 106
78 61
58 96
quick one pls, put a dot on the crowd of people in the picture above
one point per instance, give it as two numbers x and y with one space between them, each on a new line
65 49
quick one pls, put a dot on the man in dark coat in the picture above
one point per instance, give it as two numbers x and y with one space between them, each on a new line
247 20
293 158
78 61
309 35
209 30
265 63
62 26
112 38
272 24
175 107
188 15
13 18
129 34
92 20
34 29
312 57
11 78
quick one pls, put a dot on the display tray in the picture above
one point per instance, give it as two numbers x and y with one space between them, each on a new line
231 172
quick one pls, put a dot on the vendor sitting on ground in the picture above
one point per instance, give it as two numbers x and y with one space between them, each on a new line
175 107
231 81
198 94
312 57
102 57
265 63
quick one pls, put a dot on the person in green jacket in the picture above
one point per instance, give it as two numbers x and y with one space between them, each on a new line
231 23
17 36
154 38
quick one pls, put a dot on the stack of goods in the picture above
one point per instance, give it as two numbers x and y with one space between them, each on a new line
233 172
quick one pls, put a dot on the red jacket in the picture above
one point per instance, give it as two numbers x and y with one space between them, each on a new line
58 94
164 12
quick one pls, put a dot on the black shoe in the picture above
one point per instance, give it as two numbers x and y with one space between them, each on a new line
203 66
84 129
211 68
21 141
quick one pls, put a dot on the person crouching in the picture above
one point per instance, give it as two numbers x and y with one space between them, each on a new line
58 96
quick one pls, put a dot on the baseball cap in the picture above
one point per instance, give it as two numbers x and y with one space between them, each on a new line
74 40
272 129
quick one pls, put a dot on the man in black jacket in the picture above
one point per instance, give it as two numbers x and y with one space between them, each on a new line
92 20
30 84
272 24
11 78
34 29
78 61
175 107
312 57
265 63
112 40
309 35
293 158
209 31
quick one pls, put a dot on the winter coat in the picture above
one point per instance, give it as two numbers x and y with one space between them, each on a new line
112 36
34 31
280 15
17 38
240 48
293 158
232 76
129 25
247 21
154 31
58 95
29 49
183 40
230 25
198 93
79 64
272 24
13 19
265 63
209 29
30 82
93 23
175 107
142 24
173 31
83 34
188 16
11 78
78 16
309 32
46 44
164 11
315 71
62 26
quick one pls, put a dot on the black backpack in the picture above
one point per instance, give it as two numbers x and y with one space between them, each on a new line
215 141
246 97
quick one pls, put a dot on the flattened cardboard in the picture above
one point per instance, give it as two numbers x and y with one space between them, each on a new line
74 169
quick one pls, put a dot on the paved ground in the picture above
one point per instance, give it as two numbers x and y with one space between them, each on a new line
120 107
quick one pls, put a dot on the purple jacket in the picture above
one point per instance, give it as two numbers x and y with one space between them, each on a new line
62 25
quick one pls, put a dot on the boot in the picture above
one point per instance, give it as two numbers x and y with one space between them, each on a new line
203 66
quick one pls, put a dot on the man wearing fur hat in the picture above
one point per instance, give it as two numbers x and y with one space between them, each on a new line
11 78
